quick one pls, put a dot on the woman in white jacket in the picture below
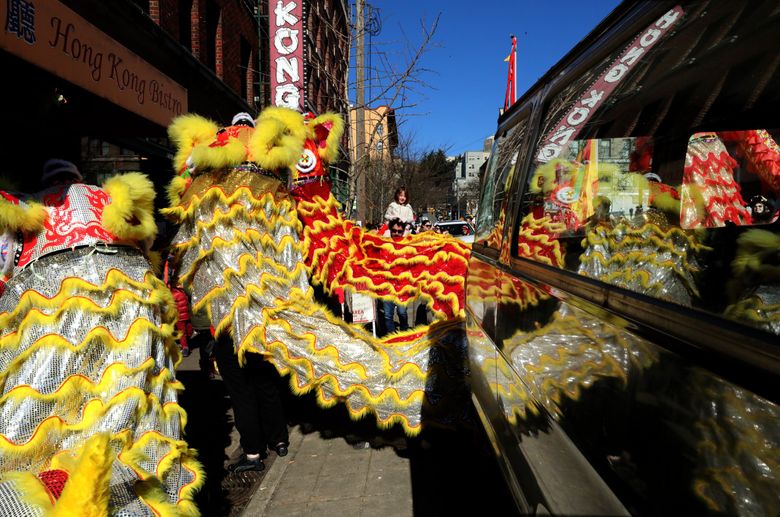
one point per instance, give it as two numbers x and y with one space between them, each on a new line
400 209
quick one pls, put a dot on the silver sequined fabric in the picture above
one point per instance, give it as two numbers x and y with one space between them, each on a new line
248 269
46 347
646 255
571 353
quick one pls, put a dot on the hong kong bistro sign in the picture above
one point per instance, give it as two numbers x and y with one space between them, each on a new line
53 37
286 48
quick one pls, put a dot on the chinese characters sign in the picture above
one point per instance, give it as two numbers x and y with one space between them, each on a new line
21 20
286 27
51 36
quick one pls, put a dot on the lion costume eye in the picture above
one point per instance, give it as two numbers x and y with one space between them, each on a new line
307 161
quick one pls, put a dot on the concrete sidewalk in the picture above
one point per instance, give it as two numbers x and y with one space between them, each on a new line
329 477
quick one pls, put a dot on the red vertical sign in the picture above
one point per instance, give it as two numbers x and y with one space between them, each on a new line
286 49
593 97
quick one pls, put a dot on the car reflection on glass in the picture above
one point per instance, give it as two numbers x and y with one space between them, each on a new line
461 230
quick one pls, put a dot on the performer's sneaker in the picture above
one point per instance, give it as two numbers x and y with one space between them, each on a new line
246 465
281 449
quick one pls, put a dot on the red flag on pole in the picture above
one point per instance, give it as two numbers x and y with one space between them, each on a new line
511 86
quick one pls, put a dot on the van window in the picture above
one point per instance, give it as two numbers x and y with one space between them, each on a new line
658 169
491 215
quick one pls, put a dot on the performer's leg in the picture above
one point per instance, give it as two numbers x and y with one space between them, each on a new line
403 317
184 327
272 418
244 400
389 315
421 316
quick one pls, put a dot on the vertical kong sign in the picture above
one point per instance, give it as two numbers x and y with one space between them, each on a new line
286 24
593 97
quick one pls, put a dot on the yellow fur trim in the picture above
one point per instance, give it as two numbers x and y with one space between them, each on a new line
753 248
139 329
72 289
176 189
71 297
87 491
186 132
290 119
272 146
150 489
218 157
28 218
607 172
544 179
666 202
435 279
30 489
77 385
130 213
47 437
758 240
267 201
155 261
330 151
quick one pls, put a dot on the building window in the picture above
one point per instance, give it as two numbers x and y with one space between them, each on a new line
247 71
213 37
185 23
605 148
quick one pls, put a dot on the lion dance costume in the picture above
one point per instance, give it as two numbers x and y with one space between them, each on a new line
243 259
89 419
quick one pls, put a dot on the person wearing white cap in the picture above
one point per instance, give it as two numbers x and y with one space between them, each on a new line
243 119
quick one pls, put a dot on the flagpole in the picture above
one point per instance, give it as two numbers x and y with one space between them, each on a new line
511 84
514 68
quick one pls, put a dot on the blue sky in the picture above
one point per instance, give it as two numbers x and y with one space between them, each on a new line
467 73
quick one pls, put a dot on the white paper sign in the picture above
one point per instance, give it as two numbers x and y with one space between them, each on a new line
362 308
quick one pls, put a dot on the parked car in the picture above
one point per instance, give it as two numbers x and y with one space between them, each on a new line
462 230
623 301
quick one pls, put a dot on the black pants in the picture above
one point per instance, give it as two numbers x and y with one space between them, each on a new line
253 390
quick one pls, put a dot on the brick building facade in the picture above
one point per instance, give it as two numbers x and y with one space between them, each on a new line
326 55
220 34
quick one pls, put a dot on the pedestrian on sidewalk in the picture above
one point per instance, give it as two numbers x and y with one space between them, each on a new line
396 228
257 405
184 322
400 209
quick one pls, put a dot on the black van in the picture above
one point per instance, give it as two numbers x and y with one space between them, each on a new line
624 288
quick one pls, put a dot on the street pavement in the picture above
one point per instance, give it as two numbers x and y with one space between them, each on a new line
338 467
330 477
